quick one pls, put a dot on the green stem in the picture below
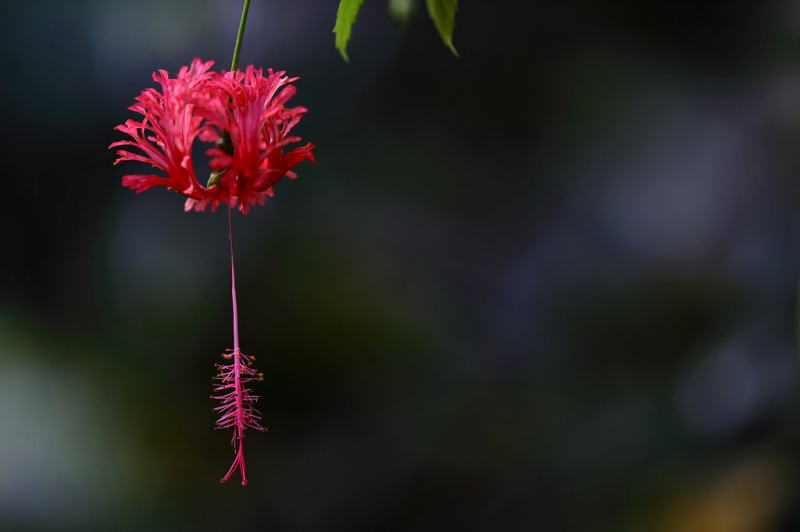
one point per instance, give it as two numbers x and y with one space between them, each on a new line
239 36
224 142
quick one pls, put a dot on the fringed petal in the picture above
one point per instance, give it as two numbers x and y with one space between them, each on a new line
200 103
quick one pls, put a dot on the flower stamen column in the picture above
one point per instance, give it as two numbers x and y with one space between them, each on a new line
237 405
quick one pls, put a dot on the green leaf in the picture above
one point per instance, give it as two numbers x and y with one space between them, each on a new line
443 14
401 10
345 18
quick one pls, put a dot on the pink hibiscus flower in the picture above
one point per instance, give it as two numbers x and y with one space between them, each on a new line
243 113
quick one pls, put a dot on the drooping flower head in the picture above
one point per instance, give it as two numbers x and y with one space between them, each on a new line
243 113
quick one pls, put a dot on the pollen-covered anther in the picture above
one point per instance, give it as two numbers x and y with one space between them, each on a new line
236 410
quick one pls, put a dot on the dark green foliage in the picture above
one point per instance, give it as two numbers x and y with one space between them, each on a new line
442 12
345 18
401 10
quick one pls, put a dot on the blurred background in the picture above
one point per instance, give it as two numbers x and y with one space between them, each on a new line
548 285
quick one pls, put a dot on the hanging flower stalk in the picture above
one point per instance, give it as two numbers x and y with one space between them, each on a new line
244 115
